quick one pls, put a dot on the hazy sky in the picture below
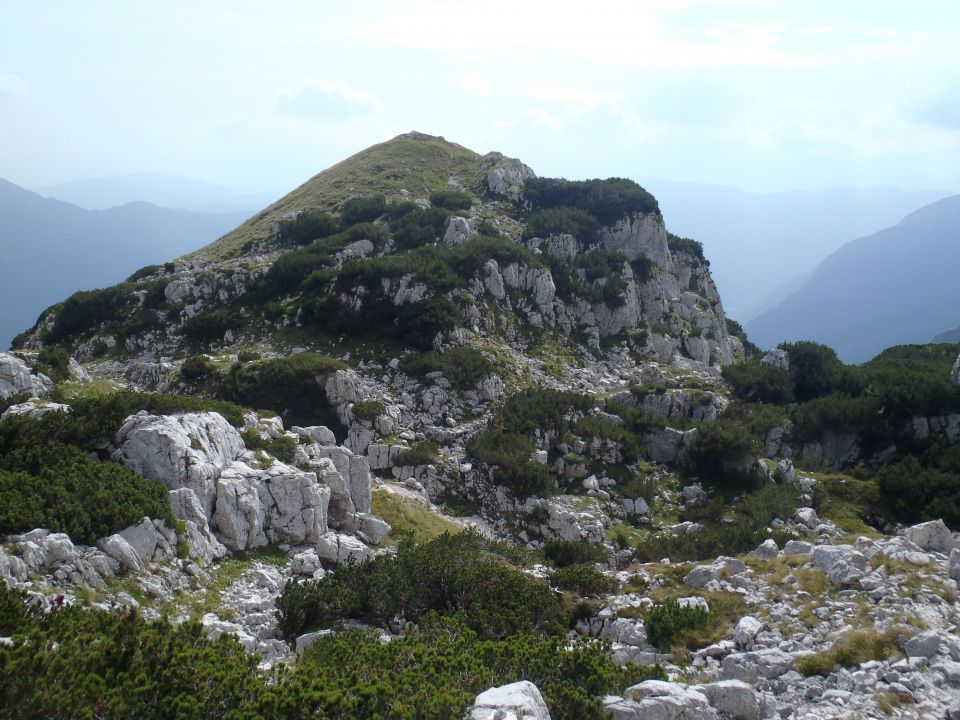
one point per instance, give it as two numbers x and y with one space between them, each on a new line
259 96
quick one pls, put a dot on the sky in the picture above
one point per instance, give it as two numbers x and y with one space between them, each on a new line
259 96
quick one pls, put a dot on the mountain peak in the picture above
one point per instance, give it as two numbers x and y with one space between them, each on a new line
413 164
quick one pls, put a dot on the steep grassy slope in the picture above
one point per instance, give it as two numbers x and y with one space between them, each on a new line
417 163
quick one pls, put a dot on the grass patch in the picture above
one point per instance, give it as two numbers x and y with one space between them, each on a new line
407 517
852 650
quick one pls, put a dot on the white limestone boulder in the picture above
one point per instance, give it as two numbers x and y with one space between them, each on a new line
35 408
189 450
932 535
516 701
16 378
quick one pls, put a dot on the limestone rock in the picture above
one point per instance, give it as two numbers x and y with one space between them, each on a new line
507 175
932 535
767 549
842 563
338 549
671 701
516 701
750 666
458 231
669 445
746 632
203 544
317 433
351 492
279 504
34 408
147 541
720 569
120 550
16 378
732 698
188 450
638 235
777 358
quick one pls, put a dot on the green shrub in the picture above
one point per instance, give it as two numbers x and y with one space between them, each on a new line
451 199
668 622
569 552
144 272
720 452
459 574
913 493
583 579
363 209
114 664
368 409
852 650
436 674
686 246
421 226
88 309
211 325
307 227
292 386
561 220
463 366
93 421
283 448
197 367
498 448
542 409
816 370
531 479
755 382
61 488
54 362
423 453
596 426
607 200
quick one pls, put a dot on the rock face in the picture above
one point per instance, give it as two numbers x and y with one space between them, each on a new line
180 450
16 378
955 373
638 236
279 504
506 176
216 486
516 701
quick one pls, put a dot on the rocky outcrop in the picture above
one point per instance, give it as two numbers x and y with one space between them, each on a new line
16 378
955 372
516 701
219 487
777 358
505 176
35 408
188 450
638 236
278 504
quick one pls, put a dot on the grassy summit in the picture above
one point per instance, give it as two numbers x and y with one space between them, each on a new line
415 162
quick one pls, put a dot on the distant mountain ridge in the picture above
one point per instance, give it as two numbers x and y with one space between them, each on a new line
163 189
896 286
77 248
762 247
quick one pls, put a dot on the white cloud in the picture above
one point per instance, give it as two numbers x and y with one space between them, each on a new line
12 84
477 84
329 99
